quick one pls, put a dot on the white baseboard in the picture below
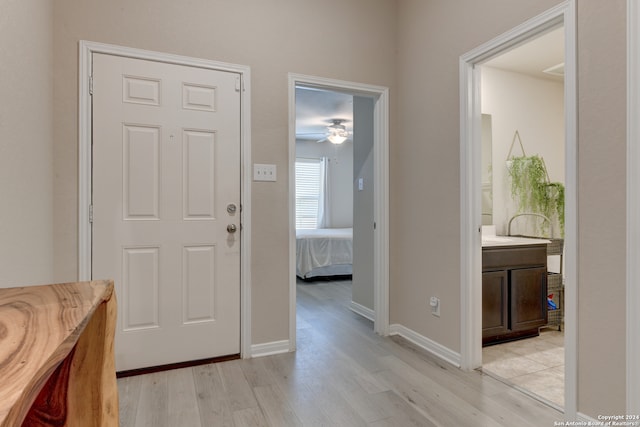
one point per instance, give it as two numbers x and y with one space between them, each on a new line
270 348
427 344
363 311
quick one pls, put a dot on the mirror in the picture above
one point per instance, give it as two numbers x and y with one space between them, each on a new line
487 175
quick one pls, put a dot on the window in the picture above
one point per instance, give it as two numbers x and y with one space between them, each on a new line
309 193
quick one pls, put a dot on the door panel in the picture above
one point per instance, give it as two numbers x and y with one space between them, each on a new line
140 288
141 155
494 303
199 177
528 298
198 280
166 163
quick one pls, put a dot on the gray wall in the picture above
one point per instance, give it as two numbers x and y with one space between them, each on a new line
26 142
412 47
274 38
425 167
540 123
601 206
363 254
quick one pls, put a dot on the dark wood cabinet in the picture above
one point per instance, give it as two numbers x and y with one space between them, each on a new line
514 292
495 304
528 298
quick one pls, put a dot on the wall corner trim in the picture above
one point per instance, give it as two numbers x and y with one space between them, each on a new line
270 348
633 208
427 344
363 311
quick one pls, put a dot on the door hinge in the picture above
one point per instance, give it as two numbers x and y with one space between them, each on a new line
374 225
238 84
90 214
90 85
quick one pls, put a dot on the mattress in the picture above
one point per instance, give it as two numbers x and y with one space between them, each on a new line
324 252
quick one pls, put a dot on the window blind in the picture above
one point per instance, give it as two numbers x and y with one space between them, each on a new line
308 192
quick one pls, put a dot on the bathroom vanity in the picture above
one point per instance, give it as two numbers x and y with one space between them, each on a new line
514 288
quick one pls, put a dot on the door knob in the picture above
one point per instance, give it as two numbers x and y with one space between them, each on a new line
231 228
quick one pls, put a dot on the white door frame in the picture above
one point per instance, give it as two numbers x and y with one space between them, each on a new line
381 193
87 49
470 236
633 207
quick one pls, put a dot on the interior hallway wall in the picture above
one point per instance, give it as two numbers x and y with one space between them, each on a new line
273 38
425 158
26 142
363 232
425 167
602 94
429 36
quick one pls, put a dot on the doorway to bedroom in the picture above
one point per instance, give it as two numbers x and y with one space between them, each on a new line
335 197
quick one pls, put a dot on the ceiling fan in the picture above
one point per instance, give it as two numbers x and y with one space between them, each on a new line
336 132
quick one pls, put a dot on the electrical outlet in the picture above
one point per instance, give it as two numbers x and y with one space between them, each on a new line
435 306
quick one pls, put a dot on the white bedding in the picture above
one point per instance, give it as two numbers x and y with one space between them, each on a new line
324 252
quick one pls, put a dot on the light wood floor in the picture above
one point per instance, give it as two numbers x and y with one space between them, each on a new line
342 375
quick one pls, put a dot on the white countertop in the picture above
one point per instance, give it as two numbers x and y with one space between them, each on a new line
496 241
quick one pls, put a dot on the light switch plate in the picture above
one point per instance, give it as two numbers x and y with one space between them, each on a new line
263 172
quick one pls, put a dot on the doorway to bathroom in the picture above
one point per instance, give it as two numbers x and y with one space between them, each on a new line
523 132
527 109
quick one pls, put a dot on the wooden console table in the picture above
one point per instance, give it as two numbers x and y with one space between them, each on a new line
56 355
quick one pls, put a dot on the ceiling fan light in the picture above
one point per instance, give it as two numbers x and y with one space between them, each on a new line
337 139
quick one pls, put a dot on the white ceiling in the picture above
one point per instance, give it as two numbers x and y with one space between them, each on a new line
315 108
534 57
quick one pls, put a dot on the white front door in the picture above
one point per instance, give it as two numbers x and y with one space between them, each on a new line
166 197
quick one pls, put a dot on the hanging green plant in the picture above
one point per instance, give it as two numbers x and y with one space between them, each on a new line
554 204
533 192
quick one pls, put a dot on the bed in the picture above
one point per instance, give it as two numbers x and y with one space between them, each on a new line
324 252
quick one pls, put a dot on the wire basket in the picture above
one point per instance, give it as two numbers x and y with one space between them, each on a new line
556 247
554 318
555 287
